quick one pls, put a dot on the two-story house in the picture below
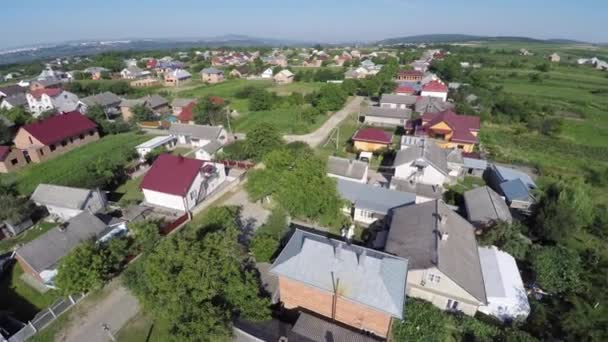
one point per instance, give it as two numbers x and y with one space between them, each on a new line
451 129
426 163
212 75
55 99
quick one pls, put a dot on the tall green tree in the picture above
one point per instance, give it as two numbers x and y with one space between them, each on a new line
262 139
5 133
509 238
557 269
82 270
209 112
142 113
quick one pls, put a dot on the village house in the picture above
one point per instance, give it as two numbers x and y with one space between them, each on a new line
506 296
110 103
554 58
64 202
134 72
11 159
167 142
96 72
212 75
11 90
14 101
178 104
353 285
267 74
410 75
239 72
40 258
177 78
451 130
352 170
179 183
55 99
186 116
372 139
435 89
485 208
145 82
368 203
209 151
126 108
48 138
431 105
45 84
198 135
516 186
444 266
405 90
381 116
397 101
284 77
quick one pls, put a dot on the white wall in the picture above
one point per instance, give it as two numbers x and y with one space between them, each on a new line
441 95
393 105
38 106
375 120
430 175
63 213
360 216
505 308
363 179
164 200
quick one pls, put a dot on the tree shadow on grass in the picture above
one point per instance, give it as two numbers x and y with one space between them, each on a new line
13 303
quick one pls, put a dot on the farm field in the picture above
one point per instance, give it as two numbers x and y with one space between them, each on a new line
70 168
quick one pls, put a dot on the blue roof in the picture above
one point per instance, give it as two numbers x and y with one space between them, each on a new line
472 163
373 198
415 85
516 190
508 174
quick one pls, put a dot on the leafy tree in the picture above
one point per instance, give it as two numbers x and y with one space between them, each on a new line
423 322
507 237
82 270
17 115
208 112
97 114
563 209
47 114
115 252
557 269
197 282
544 67
152 155
262 139
263 247
5 133
146 234
261 99
142 113
14 208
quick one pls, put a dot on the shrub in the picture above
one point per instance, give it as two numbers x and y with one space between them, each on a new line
263 247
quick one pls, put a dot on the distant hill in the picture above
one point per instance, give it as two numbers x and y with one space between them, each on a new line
463 38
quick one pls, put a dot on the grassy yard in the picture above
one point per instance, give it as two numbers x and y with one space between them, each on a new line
21 299
129 192
296 87
25 237
143 328
70 168
181 151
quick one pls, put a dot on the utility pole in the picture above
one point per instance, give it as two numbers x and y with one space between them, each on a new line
106 328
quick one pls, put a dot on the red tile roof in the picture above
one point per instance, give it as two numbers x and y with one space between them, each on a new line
4 151
411 73
405 90
172 174
435 86
60 127
52 92
186 115
151 63
373 135
216 100
461 125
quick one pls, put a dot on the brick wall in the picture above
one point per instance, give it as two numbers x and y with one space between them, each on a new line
39 152
8 166
295 294
26 268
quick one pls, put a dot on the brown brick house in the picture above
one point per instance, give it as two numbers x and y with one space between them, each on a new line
11 159
48 138
356 286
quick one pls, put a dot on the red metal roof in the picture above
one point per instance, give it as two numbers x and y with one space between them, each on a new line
151 63
186 115
52 92
373 135
172 174
411 73
461 125
435 86
4 151
405 90
60 127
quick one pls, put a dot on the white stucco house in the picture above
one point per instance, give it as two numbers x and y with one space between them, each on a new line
435 89
55 99
198 135
166 141
507 298
64 202
179 183
267 73
424 164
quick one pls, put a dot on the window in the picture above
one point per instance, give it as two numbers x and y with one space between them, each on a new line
82 137
14 161
63 143
71 140
91 133
433 278
41 151
460 147
193 195
31 142
53 147
452 305
366 214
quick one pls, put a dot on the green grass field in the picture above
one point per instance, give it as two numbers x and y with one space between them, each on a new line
129 192
143 328
70 168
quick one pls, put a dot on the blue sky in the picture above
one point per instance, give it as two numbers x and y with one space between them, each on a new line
41 21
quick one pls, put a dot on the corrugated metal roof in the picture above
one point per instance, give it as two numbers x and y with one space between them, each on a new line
373 198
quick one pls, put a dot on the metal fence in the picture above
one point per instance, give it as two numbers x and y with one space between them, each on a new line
46 317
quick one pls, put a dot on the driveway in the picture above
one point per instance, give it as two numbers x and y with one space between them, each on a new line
319 136
115 310
253 215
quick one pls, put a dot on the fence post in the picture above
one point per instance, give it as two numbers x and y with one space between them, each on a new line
32 326
51 311
71 299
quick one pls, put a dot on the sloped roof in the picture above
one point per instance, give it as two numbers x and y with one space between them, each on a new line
484 205
16 99
435 86
187 115
413 73
180 74
422 190
104 99
398 99
428 152
59 127
211 71
429 104
354 169
314 328
507 174
366 276
45 251
51 92
461 125
203 132
373 135
516 189
172 174
212 147
179 102
382 112
12 89
373 198
415 233
155 100
60 196
4 151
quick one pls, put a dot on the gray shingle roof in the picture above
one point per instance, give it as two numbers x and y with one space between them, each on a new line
389 112
197 131
155 100
212 146
415 233
16 100
423 190
211 71
472 163
429 104
181 102
131 103
45 251
12 89
354 169
427 153
507 174
373 198
516 189
105 99
398 99
61 196
366 276
485 206
314 328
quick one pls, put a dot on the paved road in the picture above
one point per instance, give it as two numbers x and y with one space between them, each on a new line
319 136
115 309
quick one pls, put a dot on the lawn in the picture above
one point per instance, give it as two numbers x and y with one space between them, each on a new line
25 237
143 328
296 87
129 192
287 120
70 169
21 299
